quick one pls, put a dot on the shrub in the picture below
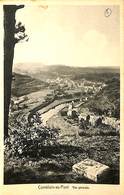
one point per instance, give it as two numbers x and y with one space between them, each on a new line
25 140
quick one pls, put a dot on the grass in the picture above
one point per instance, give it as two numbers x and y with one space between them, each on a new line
53 163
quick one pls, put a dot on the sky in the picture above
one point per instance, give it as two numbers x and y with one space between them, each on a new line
70 35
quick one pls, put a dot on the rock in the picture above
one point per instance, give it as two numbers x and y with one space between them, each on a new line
91 169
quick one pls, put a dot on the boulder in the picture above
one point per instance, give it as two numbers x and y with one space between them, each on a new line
91 169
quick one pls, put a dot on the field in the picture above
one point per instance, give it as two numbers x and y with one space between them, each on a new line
35 153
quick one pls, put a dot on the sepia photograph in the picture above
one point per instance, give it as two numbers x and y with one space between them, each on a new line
61 94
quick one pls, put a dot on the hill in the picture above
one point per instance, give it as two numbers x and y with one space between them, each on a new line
108 99
44 72
23 85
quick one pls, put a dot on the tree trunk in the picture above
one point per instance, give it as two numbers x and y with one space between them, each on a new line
9 43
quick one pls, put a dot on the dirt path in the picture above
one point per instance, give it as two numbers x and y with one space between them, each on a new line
51 113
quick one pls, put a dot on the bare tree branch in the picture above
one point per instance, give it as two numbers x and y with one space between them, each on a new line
19 6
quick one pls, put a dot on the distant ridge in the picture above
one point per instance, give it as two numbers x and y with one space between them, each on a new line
34 67
44 72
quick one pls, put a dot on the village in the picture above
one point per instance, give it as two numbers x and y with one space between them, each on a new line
83 85
62 88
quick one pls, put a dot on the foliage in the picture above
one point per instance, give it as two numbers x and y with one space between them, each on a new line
20 34
28 159
25 140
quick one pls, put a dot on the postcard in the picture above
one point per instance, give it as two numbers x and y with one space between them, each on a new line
62 113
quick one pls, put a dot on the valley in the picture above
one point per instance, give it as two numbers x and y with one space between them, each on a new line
40 104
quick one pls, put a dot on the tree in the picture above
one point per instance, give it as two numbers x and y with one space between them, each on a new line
12 34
